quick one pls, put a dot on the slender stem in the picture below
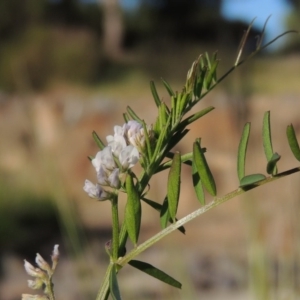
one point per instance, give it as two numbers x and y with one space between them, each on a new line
103 292
115 228
217 201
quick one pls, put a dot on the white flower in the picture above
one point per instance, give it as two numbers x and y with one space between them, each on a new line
117 143
135 134
105 159
107 178
129 157
95 191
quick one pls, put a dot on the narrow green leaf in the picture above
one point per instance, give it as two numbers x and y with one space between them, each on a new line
154 272
97 140
164 214
199 83
195 117
162 115
133 115
168 87
267 141
211 75
250 180
184 100
174 185
292 139
158 207
126 117
160 140
113 284
176 138
133 210
154 93
271 166
153 204
198 185
242 151
203 169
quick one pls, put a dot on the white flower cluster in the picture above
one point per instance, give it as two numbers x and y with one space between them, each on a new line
42 275
121 153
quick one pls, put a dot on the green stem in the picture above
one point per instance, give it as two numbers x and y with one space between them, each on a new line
217 201
115 228
103 293
104 289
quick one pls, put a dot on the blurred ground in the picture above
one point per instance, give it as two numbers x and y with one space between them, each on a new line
247 248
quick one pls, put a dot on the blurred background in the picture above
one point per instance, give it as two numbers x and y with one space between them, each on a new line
68 67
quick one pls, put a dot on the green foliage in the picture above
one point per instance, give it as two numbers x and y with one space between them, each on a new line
133 210
154 272
174 185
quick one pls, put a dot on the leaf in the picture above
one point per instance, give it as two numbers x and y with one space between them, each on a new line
133 115
154 93
271 166
133 210
292 139
158 207
154 272
211 76
113 284
267 142
97 140
164 214
195 117
126 117
174 185
153 204
198 185
242 151
199 82
251 180
168 87
203 169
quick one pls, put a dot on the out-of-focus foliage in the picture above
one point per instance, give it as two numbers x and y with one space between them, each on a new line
47 41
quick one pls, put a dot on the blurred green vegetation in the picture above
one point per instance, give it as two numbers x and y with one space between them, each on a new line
44 42
26 218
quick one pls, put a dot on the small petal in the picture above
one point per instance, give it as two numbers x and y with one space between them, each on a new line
129 157
32 271
105 159
114 180
117 144
55 257
42 263
95 191
102 176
